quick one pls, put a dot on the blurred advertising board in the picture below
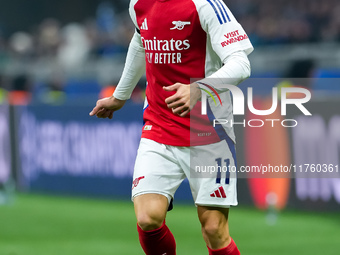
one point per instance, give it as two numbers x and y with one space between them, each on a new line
5 148
64 150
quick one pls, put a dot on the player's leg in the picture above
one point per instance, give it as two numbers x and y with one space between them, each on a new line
213 188
154 235
215 230
156 178
150 210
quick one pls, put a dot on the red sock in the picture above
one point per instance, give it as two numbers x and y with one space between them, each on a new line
231 249
157 242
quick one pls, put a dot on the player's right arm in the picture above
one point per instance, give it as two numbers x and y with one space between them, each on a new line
133 70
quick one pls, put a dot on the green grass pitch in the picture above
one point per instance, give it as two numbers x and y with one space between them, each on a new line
45 225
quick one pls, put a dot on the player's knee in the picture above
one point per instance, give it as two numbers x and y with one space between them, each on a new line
147 222
215 229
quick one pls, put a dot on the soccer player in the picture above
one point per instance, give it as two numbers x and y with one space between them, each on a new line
176 40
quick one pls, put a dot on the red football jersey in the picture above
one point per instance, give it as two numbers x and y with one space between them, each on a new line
184 39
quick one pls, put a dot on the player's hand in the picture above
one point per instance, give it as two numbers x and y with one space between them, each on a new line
184 99
106 107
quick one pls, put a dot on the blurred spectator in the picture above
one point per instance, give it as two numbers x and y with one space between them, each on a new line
48 38
21 44
299 74
106 18
75 47
288 21
109 30
304 68
55 46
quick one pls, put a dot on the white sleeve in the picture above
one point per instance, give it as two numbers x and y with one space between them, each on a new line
226 34
134 64
235 70
133 13
133 70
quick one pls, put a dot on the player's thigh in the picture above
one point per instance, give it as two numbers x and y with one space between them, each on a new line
212 174
156 171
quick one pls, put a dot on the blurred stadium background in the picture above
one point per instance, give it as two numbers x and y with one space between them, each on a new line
65 178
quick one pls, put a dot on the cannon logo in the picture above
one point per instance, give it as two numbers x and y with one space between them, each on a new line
136 181
180 24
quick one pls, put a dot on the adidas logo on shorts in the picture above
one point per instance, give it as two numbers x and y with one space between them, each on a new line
220 193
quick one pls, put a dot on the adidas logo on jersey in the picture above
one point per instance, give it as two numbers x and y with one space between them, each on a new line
220 193
144 25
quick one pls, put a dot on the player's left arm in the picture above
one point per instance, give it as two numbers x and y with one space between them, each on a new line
219 26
